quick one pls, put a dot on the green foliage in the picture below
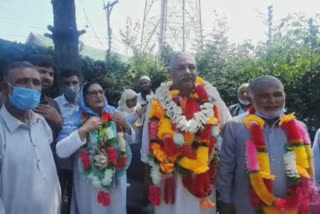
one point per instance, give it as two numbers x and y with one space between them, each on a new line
116 74
291 54
11 51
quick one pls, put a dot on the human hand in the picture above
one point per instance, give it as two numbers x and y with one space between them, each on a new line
92 124
142 110
120 120
49 113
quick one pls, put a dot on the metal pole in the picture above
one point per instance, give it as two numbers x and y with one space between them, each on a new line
162 24
143 23
183 26
200 20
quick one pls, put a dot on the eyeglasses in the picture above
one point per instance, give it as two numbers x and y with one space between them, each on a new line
95 93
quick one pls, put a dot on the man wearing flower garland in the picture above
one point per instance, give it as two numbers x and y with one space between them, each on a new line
265 161
180 137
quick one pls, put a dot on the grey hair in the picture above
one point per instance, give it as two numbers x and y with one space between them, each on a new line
262 80
173 58
13 66
244 85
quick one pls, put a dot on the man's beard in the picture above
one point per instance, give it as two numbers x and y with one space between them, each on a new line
144 93
244 102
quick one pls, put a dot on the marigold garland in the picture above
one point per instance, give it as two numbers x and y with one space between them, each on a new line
299 169
176 148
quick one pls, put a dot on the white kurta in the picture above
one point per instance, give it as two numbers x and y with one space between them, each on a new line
84 197
185 202
28 181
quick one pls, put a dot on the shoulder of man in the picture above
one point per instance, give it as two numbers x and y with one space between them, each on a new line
232 107
234 125
237 120
42 122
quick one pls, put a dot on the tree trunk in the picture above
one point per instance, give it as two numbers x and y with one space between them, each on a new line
65 34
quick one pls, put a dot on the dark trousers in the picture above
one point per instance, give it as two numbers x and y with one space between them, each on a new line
66 179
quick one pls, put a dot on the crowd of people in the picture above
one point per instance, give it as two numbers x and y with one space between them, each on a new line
177 150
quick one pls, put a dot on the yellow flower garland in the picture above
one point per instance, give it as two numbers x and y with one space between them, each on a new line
304 166
253 119
198 165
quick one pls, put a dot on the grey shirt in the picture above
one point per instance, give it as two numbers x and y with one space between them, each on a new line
28 179
233 180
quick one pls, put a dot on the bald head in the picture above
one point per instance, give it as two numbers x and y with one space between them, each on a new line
178 56
263 82
183 72
267 95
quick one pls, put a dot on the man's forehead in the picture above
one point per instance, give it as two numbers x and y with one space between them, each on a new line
48 69
268 88
184 59
71 78
19 73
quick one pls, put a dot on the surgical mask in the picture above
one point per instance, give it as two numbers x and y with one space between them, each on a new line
244 102
71 93
268 117
25 99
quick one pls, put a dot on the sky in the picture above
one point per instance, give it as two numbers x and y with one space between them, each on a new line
246 18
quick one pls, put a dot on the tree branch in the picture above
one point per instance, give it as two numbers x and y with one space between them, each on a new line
81 32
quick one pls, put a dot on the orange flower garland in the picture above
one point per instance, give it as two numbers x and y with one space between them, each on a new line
186 153
299 169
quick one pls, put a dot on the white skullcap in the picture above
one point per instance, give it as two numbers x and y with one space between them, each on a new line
144 77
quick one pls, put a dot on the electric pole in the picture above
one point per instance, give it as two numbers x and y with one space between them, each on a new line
108 8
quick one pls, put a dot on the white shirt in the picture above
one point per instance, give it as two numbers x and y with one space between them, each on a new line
185 202
84 200
66 108
143 101
28 179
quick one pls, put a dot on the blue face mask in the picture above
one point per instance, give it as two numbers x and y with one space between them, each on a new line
271 117
71 93
25 99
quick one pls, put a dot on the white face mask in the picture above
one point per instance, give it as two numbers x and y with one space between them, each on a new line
244 102
271 115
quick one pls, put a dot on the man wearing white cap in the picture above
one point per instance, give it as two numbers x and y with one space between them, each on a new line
145 90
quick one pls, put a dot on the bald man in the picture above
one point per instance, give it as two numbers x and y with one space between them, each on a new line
183 170
268 100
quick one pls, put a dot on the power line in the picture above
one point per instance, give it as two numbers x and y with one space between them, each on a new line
91 26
